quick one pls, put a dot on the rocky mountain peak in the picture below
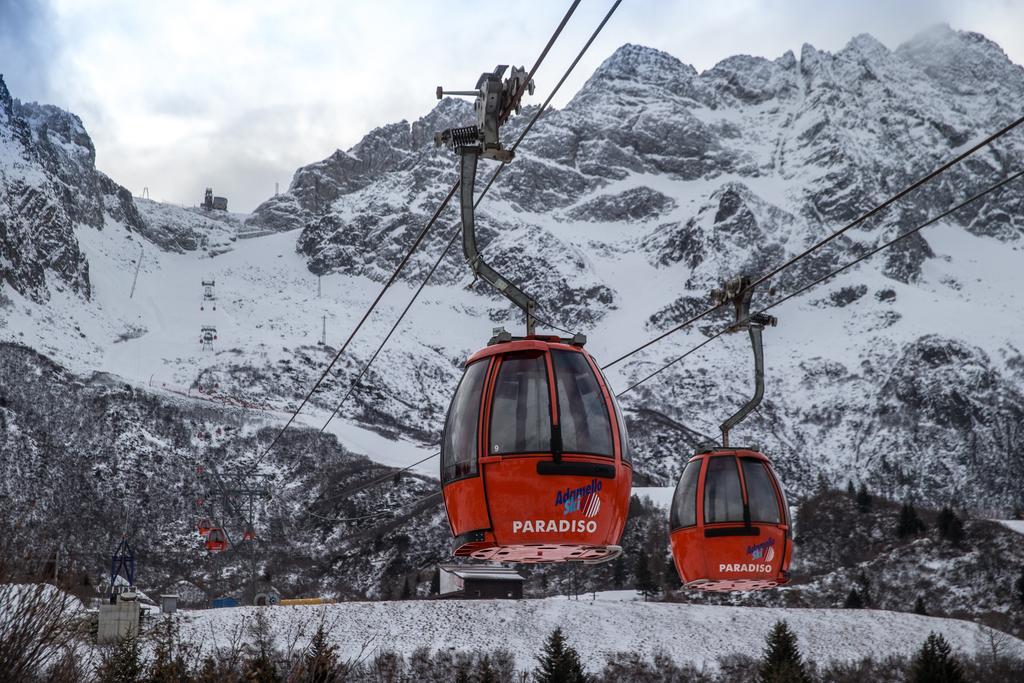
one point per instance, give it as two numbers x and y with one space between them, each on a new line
963 61
865 45
633 70
643 63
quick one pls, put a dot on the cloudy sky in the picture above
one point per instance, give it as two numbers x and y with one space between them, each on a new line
236 94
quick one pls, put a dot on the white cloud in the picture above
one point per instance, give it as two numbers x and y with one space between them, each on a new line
237 94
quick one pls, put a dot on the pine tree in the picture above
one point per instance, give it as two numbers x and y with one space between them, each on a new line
782 662
864 589
559 662
853 600
260 667
485 672
645 584
435 582
122 663
619 572
951 527
169 663
320 663
909 523
1020 588
935 663
863 498
850 491
670 577
919 606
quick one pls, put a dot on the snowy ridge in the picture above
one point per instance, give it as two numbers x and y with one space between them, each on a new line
687 633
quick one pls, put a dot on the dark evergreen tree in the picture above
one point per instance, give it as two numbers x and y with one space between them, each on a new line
485 672
559 662
864 589
435 582
863 498
782 662
853 600
909 523
1019 586
320 663
260 667
170 657
645 584
935 663
919 606
850 491
122 663
951 527
619 572
670 577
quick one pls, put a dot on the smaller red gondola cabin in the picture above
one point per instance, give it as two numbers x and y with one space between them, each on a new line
203 526
216 540
535 459
730 527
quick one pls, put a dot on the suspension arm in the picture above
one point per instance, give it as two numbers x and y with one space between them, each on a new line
755 400
481 268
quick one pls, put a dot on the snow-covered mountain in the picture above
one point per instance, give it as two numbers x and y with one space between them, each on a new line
620 213
656 182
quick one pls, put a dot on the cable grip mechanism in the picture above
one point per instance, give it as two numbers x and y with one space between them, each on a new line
496 99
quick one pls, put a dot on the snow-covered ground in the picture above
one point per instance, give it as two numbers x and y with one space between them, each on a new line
597 628
267 304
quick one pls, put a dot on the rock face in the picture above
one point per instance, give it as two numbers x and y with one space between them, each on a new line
49 187
37 209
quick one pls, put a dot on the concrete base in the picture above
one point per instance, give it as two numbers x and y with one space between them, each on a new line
117 622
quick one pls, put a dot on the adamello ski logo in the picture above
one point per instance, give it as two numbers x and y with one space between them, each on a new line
764 552
584 500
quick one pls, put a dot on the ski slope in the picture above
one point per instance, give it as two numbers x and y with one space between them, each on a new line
698 634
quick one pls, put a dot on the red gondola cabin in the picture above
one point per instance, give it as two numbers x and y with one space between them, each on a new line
535 460
203 526
730 527
216 540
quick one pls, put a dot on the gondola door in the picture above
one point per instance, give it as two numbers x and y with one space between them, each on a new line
517 430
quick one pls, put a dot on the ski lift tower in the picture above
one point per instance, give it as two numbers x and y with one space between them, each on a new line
208 295
239 492
207 335
119 618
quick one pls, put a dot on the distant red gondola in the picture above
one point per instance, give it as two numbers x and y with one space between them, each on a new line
216 540
730 527
203 526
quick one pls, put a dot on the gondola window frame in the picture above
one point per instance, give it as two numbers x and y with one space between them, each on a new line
541 409
454 455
